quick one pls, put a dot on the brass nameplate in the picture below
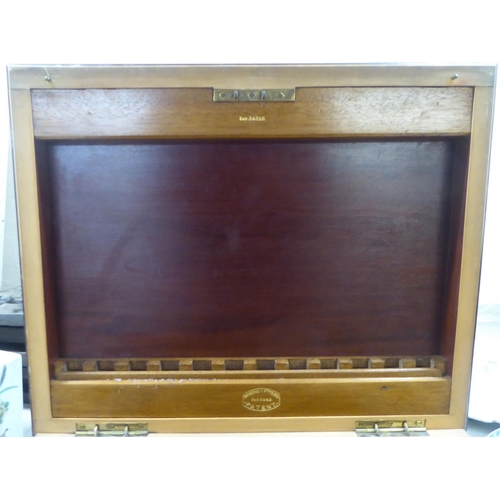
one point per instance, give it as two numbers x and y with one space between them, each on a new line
256 95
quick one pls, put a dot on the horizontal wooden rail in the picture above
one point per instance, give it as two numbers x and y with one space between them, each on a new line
185 398
192 113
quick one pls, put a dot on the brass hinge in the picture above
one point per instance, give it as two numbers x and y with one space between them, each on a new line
111 430
391 428
255 95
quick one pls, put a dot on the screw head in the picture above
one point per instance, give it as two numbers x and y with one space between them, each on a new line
47 78
454 76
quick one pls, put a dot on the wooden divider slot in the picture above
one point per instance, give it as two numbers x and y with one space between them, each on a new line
338 367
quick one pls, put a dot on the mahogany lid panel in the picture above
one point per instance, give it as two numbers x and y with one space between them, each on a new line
250 248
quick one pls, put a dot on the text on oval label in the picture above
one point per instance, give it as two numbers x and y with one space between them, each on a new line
261 399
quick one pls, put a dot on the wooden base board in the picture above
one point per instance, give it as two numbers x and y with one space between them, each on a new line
247 398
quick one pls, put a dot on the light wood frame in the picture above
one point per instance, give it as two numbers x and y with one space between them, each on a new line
24 81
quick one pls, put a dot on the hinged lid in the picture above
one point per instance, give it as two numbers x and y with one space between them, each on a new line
249 264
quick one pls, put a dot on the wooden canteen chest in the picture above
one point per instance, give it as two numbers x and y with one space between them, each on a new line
250 248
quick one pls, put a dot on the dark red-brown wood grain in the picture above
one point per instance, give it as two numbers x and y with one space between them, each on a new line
249 248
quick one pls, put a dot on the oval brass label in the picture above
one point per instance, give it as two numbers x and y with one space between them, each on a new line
261 399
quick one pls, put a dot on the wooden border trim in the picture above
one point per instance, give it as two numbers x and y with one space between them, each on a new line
249 76
158 427
30 250
482 120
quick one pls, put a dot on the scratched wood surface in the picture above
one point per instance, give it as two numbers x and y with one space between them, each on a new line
317 112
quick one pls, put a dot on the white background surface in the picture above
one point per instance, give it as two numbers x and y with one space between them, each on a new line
242 468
